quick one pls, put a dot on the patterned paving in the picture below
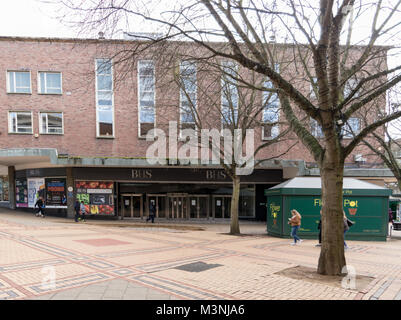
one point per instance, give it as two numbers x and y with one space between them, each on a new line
55 258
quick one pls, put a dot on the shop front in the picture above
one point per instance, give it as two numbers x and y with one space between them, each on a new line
177 193
50 184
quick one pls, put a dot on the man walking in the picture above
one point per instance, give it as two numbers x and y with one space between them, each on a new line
152 212
77 209
83 210
40 204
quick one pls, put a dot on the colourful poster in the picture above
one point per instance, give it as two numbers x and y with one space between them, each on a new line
36 189
56 193
21 193
96 195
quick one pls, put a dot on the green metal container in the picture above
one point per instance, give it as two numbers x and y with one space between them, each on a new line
364 203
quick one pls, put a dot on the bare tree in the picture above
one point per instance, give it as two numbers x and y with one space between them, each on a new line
346 76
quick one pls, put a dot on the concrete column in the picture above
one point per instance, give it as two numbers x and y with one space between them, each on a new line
11 187
70 194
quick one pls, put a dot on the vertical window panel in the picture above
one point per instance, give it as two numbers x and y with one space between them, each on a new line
104 98
146 96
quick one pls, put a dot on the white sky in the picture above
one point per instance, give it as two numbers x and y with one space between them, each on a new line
31 18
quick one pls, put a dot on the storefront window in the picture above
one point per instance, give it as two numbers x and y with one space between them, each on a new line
96 195
246 202
21 193
55 193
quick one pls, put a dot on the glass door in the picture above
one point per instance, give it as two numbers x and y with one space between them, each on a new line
159 201
198 206
126 206
132 205
221 207
227 207
178 206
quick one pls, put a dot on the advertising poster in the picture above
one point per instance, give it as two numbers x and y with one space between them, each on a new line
96 195
21 193
36 189
56 193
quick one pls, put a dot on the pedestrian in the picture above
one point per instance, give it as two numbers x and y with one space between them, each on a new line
295 222
347 224
77 209
390 216
83 210
152 212
319 226
41 205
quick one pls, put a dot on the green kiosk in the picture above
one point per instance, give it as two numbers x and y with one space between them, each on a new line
365 203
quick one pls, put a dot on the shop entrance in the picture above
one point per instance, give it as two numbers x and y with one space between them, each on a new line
221 206
159 201
132 205
178 207
199 206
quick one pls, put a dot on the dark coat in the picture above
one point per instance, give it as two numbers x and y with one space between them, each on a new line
77 207
39 203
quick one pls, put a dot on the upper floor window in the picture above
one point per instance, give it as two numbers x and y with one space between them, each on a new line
104 98
312 88
316 129
229 94
349 86
51 122
18 82
351 128
271 110
187 94
20 122
49 82
146 91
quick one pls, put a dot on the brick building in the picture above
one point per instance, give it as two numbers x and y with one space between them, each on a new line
70 129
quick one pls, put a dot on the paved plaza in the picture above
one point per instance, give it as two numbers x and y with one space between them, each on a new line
55 258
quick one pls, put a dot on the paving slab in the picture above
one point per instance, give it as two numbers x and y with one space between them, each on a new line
100 260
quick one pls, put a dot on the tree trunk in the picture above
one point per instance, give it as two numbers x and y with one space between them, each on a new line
234 227
332 258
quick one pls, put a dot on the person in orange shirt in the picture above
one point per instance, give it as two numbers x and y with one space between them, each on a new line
295 222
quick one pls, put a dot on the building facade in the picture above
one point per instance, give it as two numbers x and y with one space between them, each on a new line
73 129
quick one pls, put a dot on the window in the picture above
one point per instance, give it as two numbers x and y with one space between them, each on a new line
271 110
316 129
146 90
104 98
351 128
311 88
229 94
20 122
187 94
349 86
49 83
18 82
51 123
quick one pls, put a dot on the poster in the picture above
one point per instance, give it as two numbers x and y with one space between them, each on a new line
36 189
96 195
55 193
21 193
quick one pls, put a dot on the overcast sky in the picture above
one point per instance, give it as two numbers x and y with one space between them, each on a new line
31 18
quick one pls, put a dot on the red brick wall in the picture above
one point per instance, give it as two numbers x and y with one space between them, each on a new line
76 61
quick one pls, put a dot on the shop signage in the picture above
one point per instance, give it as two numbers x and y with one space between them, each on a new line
174 174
